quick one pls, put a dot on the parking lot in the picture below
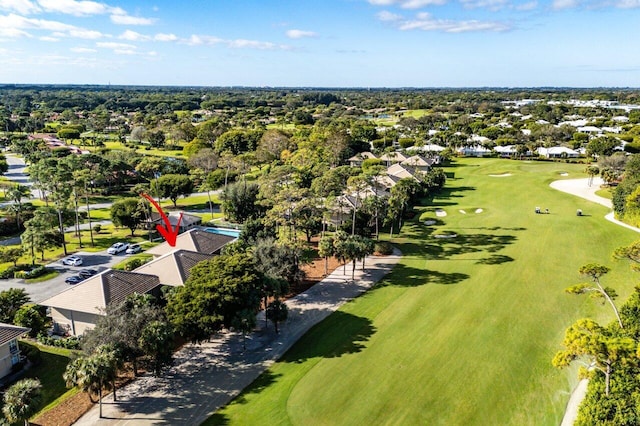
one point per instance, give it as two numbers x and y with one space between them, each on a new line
44 290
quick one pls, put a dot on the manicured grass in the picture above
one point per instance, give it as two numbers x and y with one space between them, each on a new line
42 278
605 193
145 257
49 371
108 235
463 330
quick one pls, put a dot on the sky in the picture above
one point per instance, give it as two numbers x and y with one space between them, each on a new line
322 43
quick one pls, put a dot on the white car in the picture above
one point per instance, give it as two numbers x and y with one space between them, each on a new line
133 249
117 248
72 261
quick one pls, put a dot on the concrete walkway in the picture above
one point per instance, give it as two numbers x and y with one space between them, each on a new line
206 377
581 188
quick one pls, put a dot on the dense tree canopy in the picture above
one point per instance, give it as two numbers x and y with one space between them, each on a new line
217 291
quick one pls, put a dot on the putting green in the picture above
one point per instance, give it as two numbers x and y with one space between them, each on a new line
463 330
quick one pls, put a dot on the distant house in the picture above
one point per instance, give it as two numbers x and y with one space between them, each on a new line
390 158
386 181
420 163
591 130
10 354
188 221
173 268
473 151
506 150
197 240
402 171
356 160
557 152
433 148
77 309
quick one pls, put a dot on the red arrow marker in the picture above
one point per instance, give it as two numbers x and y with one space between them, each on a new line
166 231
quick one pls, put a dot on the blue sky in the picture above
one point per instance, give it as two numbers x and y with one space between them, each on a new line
322 43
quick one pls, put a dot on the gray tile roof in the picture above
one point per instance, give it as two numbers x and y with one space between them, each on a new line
94 294
174 268
118 285
194 240
209 243
9 332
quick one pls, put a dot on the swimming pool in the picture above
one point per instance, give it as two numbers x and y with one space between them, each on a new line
224 231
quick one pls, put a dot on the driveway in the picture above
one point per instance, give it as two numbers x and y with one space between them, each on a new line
44 290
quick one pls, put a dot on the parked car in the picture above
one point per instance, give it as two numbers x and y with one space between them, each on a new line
133 249
74 279
72 261
117 248
86 273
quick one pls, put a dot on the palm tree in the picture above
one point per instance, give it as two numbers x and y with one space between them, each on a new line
17 193
22 400
326 249
94 373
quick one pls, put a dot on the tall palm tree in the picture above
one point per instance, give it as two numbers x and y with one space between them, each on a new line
22 400
16 194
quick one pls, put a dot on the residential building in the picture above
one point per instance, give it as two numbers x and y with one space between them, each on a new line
173 268
77 309
10 354
197 240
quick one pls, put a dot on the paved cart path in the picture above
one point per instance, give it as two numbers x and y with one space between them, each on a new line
206 377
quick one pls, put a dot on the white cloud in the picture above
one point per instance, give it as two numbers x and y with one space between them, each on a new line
25 7
113 45
165 37
425 22
124 19
133 36
85 34
300 34
197 40
13 33
82 50
251 44
628 4
489 4
408 4
48 38
564 4
417 4
78 8
527 6
20 22
200 40
388 16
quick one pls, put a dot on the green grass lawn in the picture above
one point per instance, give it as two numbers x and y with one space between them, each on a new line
463 330
107 236
605 193
46 277
49 372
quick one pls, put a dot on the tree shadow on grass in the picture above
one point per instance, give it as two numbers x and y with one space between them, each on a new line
339 334
447 193
495 259
407 276
418 240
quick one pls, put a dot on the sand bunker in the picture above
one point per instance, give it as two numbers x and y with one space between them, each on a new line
445 236
478 210
429 222
440 213
564 174
462 211
502 175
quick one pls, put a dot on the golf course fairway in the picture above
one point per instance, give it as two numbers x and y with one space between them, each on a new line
463 330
